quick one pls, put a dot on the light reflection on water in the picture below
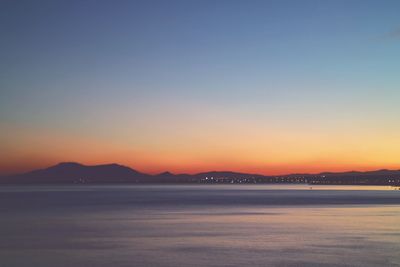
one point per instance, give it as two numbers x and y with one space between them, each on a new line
200 187
197 226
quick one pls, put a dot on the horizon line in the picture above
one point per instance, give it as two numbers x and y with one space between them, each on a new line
200 172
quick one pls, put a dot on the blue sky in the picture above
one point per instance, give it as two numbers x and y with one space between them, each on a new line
138 72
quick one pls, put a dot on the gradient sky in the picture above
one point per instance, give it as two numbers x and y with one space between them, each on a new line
258 86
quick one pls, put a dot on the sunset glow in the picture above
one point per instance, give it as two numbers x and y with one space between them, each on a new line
198 87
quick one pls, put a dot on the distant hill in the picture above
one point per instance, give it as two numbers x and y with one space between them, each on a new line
71 172
75 173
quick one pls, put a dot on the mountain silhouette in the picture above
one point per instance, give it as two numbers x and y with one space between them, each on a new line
76 173
72 172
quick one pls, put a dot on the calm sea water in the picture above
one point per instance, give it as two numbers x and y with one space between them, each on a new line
199 225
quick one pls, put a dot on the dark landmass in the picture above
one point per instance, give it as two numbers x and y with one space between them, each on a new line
75 173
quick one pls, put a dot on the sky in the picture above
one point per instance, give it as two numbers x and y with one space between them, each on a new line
268 87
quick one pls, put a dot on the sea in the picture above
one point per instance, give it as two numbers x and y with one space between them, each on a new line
199 225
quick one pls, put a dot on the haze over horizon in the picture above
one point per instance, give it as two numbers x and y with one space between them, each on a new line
269 87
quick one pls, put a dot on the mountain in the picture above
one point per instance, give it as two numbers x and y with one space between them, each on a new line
73 173
369 173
